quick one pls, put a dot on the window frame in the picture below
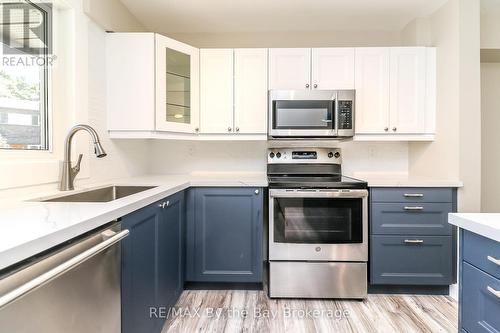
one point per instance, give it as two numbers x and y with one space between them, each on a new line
45 87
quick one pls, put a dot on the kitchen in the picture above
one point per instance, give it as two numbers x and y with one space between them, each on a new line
237 176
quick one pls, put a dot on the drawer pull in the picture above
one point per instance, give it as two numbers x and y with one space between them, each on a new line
414 241
413 195
493 291
493 260
414 208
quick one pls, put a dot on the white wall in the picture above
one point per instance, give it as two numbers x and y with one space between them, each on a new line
290 39
490 24
490 107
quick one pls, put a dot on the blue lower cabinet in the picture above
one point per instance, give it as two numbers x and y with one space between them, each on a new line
170 251
480 307
479 299
410 260
224 235
152 264
411 242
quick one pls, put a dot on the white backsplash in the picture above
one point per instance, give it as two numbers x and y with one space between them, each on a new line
176 157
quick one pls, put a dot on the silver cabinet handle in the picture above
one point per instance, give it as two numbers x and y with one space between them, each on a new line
386 129
256 191
413 195
414 241
413 208
394 129
307 85
493 291
493 260
168 203
61 269
237 129
197 129
229 129
315 86
162 205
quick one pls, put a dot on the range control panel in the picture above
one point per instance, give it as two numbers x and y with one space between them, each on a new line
304 155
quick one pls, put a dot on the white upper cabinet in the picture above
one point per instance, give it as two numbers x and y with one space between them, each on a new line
152 84
216 85
177 86
250 91
407 85
395 93
130 84
290 68
372 90
332 68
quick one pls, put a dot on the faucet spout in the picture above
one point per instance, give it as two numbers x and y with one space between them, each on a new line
69 172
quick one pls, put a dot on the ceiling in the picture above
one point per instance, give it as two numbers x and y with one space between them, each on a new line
226 16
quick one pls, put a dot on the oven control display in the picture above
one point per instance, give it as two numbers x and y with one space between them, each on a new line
304 155
345 114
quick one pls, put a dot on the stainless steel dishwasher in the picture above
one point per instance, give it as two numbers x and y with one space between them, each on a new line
74 288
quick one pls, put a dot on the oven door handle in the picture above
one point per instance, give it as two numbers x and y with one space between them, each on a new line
283 193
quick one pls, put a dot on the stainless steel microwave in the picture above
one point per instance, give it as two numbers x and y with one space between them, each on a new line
311 113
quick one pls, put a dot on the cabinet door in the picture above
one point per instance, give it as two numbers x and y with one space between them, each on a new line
139 264
170 250
372 90
479 302
226 245
250 91
333 68
216 82
177 86
130 81
290 68
407 93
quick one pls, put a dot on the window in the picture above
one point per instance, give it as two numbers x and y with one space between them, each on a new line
25 30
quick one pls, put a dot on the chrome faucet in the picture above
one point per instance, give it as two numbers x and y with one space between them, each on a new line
69 173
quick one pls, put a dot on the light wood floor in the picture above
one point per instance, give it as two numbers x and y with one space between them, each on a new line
378 313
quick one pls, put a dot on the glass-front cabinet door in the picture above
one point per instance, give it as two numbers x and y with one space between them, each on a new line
177 86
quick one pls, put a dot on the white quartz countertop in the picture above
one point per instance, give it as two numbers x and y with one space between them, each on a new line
402 180
30 227
484 224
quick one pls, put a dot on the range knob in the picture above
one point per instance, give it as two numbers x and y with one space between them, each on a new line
278 154
330 155
337 154
271 155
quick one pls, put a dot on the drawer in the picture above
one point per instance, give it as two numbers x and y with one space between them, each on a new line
482 252
410 219
480 307
407 260
411 194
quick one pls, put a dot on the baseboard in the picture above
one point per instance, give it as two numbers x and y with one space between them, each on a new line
223 286
412 290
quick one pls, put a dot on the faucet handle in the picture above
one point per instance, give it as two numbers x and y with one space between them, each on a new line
76 168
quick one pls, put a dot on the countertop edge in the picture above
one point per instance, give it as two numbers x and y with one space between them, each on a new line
467 222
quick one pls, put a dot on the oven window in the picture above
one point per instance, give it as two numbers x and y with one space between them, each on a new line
318 220
303 115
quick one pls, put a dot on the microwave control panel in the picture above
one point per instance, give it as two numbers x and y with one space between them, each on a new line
345 114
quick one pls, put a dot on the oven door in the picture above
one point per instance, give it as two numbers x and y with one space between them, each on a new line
302 114
318 225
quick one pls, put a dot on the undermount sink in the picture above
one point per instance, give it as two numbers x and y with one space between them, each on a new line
104 194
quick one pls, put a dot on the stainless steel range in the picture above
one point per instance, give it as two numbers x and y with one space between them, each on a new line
318 226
